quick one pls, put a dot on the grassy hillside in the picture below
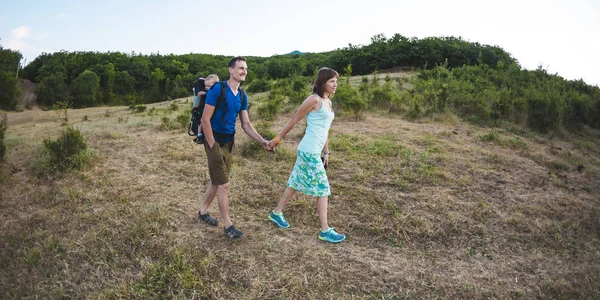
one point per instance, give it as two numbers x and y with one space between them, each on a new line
431 208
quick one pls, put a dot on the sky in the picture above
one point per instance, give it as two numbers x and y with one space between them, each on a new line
561 36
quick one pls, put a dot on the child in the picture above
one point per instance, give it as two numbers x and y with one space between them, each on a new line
201 86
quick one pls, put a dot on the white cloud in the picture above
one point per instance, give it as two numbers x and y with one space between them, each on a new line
21 32
60 16
17 38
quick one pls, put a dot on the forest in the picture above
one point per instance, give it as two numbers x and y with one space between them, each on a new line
477 82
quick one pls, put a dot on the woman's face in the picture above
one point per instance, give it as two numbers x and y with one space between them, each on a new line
331 86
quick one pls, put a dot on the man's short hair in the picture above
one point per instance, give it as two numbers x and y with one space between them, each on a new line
234 60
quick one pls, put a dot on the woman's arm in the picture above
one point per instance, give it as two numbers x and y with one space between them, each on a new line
307 106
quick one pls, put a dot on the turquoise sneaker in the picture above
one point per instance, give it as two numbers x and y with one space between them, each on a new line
331 236
279 220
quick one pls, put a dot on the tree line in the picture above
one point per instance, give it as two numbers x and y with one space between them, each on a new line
454 72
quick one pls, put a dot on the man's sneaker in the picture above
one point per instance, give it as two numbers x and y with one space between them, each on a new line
206 218
331 236
233 233
279 219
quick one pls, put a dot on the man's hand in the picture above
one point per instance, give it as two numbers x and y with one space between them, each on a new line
273 144
200 93
266 145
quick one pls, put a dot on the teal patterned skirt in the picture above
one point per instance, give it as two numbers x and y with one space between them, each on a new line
309 176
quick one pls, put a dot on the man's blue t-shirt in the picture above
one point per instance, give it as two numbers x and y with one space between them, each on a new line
234 106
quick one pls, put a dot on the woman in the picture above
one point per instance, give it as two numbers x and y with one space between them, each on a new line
308 175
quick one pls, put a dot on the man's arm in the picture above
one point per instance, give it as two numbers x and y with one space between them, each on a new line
249 129
209 110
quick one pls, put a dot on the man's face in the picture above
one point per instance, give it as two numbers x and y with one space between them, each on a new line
239 72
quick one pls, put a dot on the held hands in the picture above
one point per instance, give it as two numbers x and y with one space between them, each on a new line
273 143
270 145
266 145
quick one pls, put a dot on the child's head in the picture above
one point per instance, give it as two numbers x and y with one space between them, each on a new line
210 81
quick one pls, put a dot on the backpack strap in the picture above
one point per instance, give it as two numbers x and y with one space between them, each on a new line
244 98
223 98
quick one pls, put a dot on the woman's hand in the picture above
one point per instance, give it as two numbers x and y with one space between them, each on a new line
325 159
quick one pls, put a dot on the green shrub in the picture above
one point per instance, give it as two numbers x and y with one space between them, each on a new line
68 152
299 89
183 119
269 108
414 110
383 96
140 108
61 108
258 85
180 122
350 100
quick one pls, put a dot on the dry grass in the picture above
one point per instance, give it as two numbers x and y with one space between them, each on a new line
430 210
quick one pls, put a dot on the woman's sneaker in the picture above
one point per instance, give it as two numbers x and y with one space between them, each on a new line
233 233
208 219
279 219
331 236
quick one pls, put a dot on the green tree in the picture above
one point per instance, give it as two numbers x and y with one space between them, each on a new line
124 83
9 91
107 73
9 83
157 85
84 89
52 89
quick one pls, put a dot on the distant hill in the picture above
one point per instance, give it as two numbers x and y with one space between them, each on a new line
297 52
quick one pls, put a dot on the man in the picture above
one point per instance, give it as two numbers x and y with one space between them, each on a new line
218 123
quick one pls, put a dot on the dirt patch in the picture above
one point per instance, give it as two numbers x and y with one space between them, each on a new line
28 99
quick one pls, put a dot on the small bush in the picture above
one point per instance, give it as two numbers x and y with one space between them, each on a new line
139 108
181 121
68 152
61 108
300 89
173 106
383 96
269 108
492 136
350 100
258 85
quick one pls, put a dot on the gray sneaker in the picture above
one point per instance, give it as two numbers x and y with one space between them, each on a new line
208 219
233 233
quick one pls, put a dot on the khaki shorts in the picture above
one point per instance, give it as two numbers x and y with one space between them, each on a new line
219 161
